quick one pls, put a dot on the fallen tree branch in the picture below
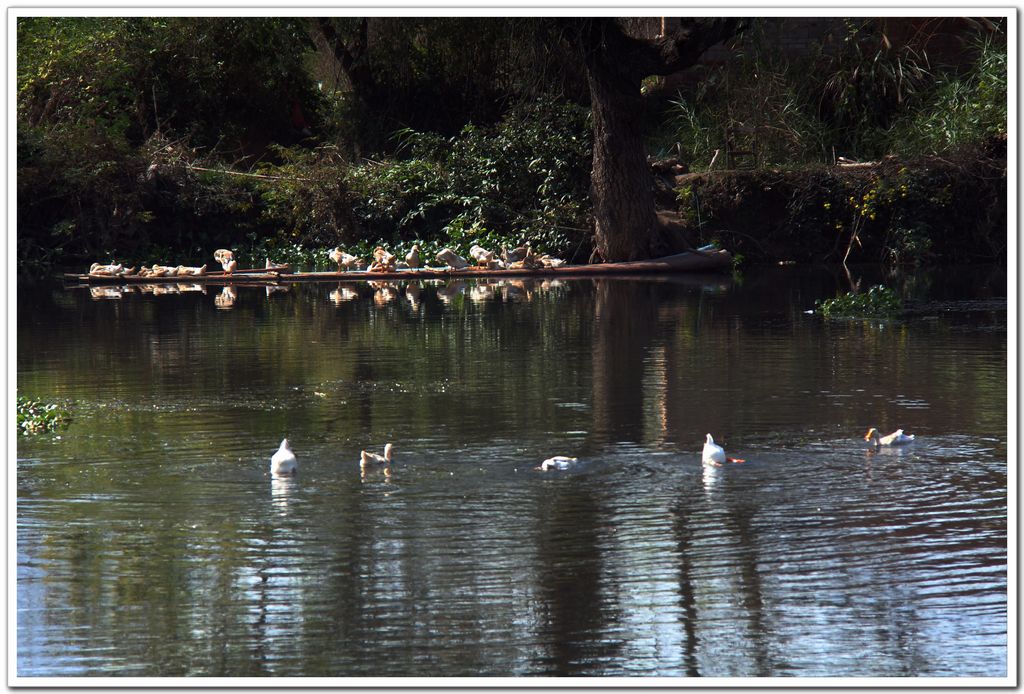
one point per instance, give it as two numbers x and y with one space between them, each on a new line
249 175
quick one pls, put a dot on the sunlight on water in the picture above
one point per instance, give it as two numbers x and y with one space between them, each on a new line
153 541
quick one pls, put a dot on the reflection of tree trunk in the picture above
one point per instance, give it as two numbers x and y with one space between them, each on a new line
625 319
573 604
687 599
753 592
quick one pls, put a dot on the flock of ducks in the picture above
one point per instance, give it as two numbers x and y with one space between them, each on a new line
519 258
120 270
714 455
223 256
284 463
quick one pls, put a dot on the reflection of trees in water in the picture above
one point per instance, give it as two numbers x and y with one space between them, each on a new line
577 611
503 360
702 590
624 325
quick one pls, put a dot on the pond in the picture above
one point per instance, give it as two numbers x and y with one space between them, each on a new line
152 541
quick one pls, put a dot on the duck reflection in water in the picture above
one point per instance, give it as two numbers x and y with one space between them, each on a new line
711 477
343 294
281 491
385 293
226 299
515 290
450 291
412 294
482 292
276 289
102 292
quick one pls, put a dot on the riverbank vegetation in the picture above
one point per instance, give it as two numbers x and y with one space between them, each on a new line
877 302
161 139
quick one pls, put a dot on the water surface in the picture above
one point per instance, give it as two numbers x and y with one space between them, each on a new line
152 541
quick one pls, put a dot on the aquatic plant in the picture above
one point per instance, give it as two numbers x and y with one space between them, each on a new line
879 301
38 416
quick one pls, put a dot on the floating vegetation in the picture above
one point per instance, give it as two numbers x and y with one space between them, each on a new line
877 302
38 417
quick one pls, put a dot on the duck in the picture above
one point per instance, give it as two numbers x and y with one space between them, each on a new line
896 438
184 270
112 270
412 258
283 463
481 255
714 454
557 462
516 254
452 259
226 259
367 459
343 260
383 261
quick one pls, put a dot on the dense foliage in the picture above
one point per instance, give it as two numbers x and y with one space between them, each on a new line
148 139
863 98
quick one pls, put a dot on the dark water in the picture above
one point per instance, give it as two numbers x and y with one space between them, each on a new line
152 542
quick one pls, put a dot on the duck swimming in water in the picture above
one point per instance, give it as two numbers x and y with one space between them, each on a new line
558 462
896 438
367 459
714 454
283 463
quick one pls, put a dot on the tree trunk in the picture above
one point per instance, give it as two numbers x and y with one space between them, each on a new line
622 187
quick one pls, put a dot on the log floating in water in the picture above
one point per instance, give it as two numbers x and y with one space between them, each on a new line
695 261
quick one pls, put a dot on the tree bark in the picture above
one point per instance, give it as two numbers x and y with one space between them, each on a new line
622 187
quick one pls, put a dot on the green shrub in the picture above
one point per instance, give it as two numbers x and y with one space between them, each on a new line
526 179
38 416
879 301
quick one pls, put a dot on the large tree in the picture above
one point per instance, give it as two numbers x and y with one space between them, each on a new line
622 194
614 60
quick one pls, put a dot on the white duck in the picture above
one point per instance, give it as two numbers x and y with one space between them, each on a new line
226 259
714 454
452 259
283 463
343 260
481 255
367 459
412 258
558 462
896 438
